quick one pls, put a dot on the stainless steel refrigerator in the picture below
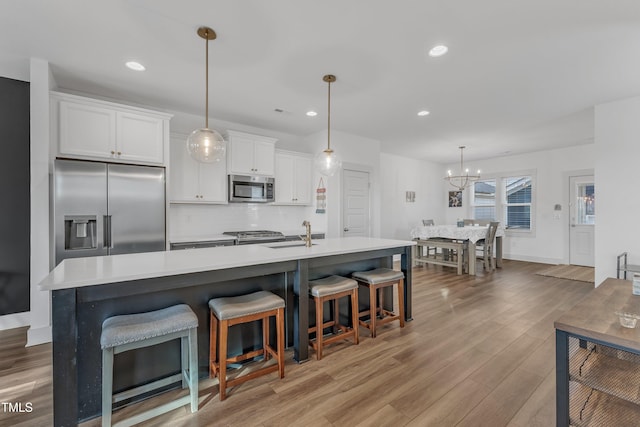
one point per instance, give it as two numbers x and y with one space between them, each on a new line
107 209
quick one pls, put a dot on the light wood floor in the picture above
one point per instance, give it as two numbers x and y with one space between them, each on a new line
479 352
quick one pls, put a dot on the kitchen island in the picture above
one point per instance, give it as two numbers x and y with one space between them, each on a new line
85 291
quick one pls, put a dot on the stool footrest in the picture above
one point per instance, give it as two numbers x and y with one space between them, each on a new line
253 374
133 392
345 333
154 412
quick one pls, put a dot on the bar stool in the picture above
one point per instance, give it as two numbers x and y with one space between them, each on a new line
333 288
376 280
226 312
128 332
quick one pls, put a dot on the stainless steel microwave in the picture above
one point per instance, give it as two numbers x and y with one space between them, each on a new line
251 189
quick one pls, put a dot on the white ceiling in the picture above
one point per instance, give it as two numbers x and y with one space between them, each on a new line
520 75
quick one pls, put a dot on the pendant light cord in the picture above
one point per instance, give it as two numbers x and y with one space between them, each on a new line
329 118
206 79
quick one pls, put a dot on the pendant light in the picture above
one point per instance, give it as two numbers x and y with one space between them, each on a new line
462 180
327 161
206 145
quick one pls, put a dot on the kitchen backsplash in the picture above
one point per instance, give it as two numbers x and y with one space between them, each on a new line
202 220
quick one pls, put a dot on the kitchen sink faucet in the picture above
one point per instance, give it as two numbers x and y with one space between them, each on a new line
307 238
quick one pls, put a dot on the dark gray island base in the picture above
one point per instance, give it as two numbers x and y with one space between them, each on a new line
78 313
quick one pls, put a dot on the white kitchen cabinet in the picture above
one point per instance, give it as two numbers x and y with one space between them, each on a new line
195 182
250 154
93 129
293 178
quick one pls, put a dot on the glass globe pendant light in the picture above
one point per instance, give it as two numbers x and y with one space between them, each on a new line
206 145
327 162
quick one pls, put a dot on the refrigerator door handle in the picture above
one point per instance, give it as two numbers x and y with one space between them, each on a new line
107 231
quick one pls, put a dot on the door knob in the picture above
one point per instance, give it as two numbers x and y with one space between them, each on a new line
345 229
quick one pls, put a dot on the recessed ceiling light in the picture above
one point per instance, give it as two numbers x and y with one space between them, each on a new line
423 113
311 113
438 50
136 66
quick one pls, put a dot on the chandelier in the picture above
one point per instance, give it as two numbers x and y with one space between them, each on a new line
327 162
206 145
462 180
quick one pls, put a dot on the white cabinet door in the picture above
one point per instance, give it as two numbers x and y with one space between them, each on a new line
87 130
293 179
139 138
195 182
241 153
250 154
263 158
183 184
213 182
284 179
302 180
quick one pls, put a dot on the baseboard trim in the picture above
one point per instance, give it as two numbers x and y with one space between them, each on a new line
16 320
540 260
36 336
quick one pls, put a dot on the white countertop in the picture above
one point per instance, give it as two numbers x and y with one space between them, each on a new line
79 272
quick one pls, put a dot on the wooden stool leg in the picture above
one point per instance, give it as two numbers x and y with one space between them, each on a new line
280 340
380 292
213 345
373 309
265 337
400 285
354 316
319 323
107 386
222 371
336 315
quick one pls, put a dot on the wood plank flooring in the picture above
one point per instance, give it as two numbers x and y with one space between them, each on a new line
479 352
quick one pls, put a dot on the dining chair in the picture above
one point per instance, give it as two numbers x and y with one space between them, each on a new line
428 223
486 246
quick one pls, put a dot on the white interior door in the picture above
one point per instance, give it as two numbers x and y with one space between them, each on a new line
355 203
582 220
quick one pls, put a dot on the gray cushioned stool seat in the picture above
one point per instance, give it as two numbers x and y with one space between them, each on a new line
123 329
128 332
331 285
244 305
379 275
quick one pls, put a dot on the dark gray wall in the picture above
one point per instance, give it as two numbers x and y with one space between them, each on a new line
14 196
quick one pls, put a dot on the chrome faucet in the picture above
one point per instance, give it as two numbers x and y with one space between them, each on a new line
307 238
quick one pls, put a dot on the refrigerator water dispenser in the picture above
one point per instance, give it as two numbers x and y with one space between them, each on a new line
80 232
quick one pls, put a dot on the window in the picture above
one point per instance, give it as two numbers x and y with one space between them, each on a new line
508 199
517 202
484 199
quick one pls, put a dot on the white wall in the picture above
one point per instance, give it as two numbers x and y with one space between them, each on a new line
399 175
617 153
357 153
549 243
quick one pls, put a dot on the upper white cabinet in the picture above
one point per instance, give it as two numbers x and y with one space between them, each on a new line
250 154
293 178
194 182
94 129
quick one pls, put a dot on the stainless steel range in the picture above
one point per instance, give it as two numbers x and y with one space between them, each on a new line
256 236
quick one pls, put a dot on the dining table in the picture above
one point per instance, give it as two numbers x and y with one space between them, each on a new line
469 233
